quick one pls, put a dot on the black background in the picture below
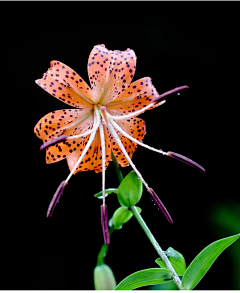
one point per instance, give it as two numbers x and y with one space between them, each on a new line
176 43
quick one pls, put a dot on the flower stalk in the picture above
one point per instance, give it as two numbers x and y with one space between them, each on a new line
156 246
147 231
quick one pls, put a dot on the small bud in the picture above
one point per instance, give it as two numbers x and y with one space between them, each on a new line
186 161
121 216
53 141
56 198
104 222
160 205
130 190
157 99
104 278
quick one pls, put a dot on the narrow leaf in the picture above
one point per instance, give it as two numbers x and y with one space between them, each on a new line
144 278
203 261
107 191
160 263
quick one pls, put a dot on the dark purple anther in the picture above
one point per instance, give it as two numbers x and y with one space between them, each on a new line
104 222
186 161
160 205
56 198
157 99
53 141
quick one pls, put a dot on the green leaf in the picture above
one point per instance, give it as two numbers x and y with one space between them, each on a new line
145 278
130 190
139 210
203 261
107 191
121 216
160 263
177 260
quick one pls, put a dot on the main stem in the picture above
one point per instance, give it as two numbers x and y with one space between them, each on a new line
156 246
146 230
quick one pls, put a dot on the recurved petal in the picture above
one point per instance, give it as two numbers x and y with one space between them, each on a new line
66 85
57 123
137 95
110 72
64 122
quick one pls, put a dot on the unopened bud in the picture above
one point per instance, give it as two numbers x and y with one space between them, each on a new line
130 190
104 278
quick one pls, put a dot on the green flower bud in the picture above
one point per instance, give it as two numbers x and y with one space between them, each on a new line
130 190
121 216
104 278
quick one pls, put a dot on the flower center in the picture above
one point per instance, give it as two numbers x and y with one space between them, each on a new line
103 114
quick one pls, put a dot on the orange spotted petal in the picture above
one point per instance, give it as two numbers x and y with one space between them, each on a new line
66 85
57 123
64 122
138 95
93 157
110 72
136 128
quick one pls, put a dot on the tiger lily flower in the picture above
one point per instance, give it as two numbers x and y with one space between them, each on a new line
105 118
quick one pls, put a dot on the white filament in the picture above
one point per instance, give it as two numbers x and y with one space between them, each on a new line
134 139
103 160
134 113
95 127
126 154
91 138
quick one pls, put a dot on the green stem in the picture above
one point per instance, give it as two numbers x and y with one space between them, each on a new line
117 168
103 251
156 246
147 231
